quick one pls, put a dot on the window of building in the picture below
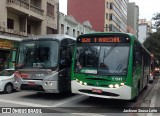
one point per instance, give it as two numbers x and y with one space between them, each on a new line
111 6
10 23
51 30
73 32
67 31
107 4
77 33
106 27
50 9
107 16
62 28
22 24
110 17
29 29
110 27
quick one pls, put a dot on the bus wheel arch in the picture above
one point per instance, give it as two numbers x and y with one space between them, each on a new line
146 86
137 93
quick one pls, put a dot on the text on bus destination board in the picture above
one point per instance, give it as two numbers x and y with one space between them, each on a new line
103 40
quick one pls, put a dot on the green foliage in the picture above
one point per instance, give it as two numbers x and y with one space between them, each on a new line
152 43
156 18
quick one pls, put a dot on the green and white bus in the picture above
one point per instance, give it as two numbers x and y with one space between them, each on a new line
110 65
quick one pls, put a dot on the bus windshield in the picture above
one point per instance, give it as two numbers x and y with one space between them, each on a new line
103 60
38 54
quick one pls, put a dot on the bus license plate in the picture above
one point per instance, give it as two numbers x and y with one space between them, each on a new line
96 90
31 83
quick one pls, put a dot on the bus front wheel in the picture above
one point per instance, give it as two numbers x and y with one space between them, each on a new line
135 99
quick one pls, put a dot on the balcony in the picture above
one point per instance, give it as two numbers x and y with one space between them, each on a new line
11 32
22 7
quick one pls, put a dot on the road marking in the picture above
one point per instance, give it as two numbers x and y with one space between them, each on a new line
37 105
23 103
67 101
55 109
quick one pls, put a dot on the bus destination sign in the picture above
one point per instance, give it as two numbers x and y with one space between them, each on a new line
104 40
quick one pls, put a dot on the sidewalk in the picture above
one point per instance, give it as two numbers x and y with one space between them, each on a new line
155 101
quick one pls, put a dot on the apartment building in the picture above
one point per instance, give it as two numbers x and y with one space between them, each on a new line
144 27
28 17
133 17
68 25
104 15
149 24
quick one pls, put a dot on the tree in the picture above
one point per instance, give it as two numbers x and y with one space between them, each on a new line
156 18
152 44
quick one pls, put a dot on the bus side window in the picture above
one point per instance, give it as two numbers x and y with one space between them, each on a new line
137 56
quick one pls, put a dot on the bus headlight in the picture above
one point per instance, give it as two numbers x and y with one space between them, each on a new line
122 84
81 82
110 86
116 86
85 83
48 83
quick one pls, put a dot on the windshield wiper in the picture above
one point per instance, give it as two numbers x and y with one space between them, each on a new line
109 51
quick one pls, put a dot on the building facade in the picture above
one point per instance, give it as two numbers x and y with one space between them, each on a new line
68 25
143 32
104 15
144 27
133 17
28 17
149 24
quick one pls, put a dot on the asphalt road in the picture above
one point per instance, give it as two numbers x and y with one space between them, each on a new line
73 104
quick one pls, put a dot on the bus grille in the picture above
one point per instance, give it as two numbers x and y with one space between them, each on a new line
103 93
32 87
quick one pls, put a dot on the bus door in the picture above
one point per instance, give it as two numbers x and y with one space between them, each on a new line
137 67
65 65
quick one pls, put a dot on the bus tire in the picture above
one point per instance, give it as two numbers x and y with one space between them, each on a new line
135 99
146 84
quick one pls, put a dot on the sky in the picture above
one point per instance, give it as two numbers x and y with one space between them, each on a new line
147 8
63 6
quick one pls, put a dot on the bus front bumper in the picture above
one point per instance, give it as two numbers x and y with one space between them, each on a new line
37 85
123 92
